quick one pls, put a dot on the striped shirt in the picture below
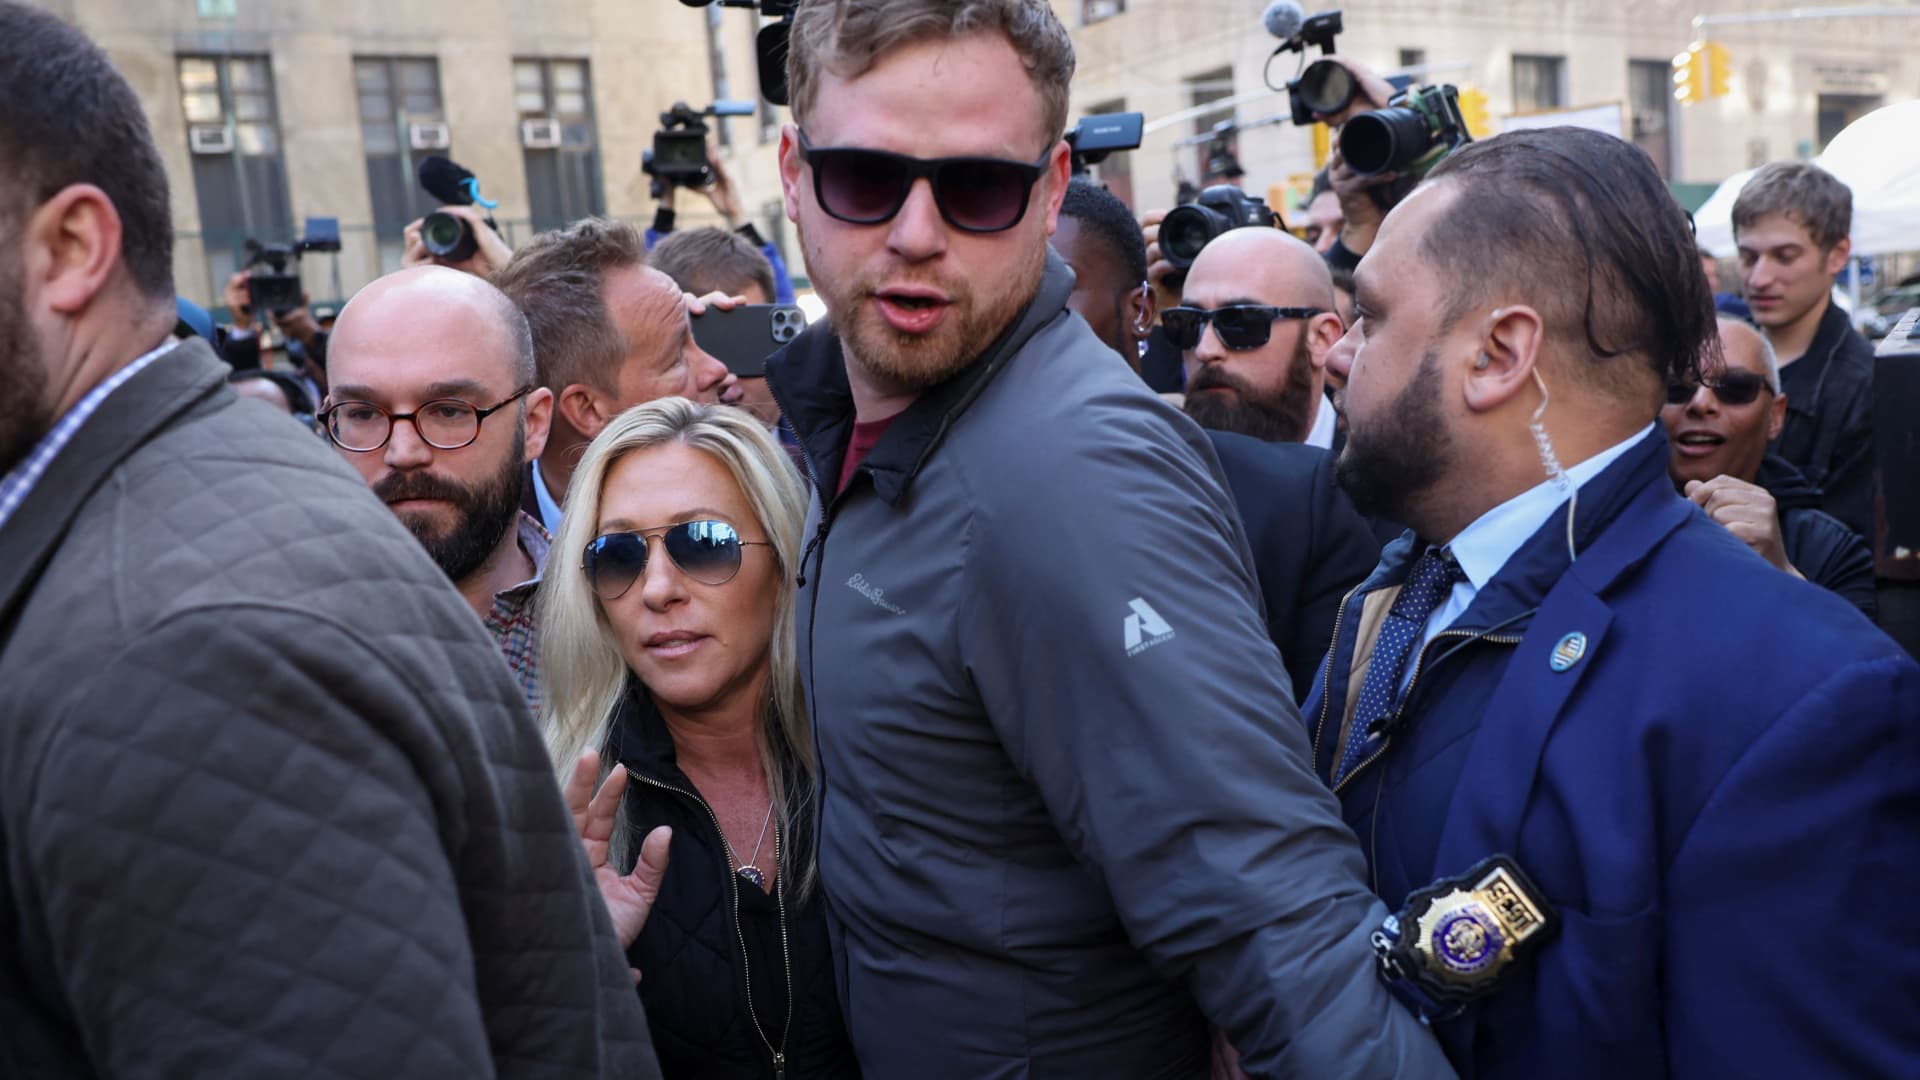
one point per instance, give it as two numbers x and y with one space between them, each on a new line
20 480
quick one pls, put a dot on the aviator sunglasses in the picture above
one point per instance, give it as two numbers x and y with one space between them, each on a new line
1732 388
868 187
1240 326
706 551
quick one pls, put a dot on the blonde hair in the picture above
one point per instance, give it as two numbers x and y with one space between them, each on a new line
585 673
848 37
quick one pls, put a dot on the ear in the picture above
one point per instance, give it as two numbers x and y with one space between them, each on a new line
790 163
539 422
581 407
1059 172
1837 258
72 247
1323 332
1776 416
1141 309
1502 368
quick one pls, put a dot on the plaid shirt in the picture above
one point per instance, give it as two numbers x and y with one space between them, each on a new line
511 619
20 480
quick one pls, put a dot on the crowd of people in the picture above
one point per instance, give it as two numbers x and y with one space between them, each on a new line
1438 646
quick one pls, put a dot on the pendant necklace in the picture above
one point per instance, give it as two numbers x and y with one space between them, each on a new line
747 869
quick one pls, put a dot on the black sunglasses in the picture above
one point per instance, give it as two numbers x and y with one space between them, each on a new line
974 194
1240 326
1732 388
706 551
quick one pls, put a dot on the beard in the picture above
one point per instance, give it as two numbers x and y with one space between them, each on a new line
23 370
1394 457
483 513
1282 415
908 363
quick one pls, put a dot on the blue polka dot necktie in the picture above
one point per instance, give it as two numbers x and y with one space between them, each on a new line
1426 589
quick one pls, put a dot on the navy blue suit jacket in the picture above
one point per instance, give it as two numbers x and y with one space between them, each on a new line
1721 798
1310 546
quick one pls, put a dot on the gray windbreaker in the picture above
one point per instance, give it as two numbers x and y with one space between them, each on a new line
1067 814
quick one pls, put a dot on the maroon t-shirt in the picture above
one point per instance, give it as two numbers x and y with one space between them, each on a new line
864 437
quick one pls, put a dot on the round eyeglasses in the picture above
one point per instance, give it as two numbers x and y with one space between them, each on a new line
444 423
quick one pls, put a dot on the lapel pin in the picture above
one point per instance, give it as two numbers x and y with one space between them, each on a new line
1568 652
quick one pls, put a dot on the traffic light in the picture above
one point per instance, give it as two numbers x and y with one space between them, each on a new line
1719 69
1689 76
1473 109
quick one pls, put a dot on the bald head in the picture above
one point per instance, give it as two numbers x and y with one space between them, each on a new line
1259 266
433 311
1745 347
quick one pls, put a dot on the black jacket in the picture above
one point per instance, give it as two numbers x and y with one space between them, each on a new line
689 955
1310 546
1829 430
1818 545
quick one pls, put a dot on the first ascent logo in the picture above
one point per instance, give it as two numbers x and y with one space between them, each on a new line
1145 627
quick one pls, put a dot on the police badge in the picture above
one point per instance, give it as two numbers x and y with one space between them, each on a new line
1457 938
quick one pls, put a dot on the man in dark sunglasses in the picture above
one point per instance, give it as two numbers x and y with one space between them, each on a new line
1256 324
1720 427
433 403
1060 764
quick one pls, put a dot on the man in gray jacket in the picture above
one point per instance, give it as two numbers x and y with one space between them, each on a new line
269 801
1067 817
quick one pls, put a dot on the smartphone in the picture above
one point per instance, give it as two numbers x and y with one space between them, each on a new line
743 338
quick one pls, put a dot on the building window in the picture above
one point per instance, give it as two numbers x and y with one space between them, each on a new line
1414 59
1092 11
1215 157
1539 83
555 102
402 120
1833 112
1650 93
717 69
239 174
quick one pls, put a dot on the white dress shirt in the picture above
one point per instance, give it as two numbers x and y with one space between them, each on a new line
1323 425
1484 547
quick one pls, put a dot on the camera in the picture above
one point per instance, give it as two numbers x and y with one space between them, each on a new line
1095 137
1409 136
445 236
273 270
1326 86
679 154
1192 226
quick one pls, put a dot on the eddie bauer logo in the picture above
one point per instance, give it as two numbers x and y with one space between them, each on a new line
875 593
1145 627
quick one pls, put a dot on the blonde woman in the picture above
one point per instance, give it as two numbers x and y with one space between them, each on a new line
666 625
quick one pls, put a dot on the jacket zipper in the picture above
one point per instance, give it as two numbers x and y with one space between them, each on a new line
746 966
1326 698
1419 664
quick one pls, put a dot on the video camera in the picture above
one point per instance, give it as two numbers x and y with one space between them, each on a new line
679 154
769 45
1326 86
445 236
1409 136
273 270
1095 137
1189 227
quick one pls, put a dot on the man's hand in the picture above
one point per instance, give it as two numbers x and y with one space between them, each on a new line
721 193
298 324
1357 204
1158 268
1748 512
629 898
490 257
718 301
239 302
1370 92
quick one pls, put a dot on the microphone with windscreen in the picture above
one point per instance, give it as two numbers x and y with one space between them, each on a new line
445 236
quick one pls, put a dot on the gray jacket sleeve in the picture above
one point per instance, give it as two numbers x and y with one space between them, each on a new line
1114 634
257 848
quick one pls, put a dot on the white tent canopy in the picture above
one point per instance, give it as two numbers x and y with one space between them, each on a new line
1878 156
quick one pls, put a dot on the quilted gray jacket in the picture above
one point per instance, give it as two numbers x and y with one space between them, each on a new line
270 804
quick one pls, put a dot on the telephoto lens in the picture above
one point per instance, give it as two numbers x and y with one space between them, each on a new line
1388 139
448 237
